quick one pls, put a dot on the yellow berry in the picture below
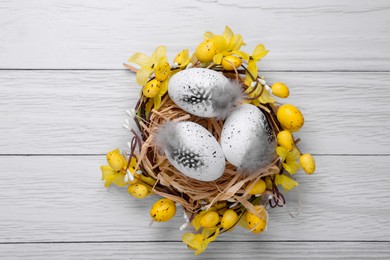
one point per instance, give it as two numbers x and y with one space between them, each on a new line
210 219
151 88
258 188
231 62
229 219
206 51
115 160
279 89
285 140
162 71
256 224
138 190
163 210
290 117
307 162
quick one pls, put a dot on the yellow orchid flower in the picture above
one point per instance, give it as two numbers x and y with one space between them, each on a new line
157 98
182 59
259 52
227 44
109 175
289 159
199 242
286 182
148 64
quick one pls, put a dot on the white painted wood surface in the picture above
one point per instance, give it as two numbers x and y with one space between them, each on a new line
63 94
302 35
174 250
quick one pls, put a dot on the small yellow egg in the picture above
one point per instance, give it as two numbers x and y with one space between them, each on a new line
279 89
231 62
115 160
255 223
290 117
307 162
229 219
162 71
138 190
163 210
206 51
258 188
151 88
285 140
210 219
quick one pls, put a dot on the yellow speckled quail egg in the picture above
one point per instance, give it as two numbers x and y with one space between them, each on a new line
163 210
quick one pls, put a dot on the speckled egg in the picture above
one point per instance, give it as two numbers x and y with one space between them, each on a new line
191 149
247 139
203 92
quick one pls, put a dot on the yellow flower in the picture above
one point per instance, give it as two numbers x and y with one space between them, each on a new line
109 175
289 159
158 65
227 44
251 78
148 64
199 242
286 182
182 59
196 221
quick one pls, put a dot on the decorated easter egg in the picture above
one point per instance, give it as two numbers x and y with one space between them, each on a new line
204 92
191 149
247 139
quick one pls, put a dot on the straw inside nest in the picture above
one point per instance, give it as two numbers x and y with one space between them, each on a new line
172 184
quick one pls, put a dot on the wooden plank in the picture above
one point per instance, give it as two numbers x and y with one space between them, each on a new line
48 199
303 35
81 112
176 250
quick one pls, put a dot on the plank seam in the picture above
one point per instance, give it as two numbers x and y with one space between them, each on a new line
179 241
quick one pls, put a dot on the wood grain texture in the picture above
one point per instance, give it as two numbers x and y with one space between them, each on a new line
81 112
48 199
176 250
302 35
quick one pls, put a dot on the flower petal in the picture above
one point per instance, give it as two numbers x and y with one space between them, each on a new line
266 97
183 58
235 43
141 59
159 53
228 34
208 35
148 106
293 155
157 102
241 54
252 68
142 76
282 152
291 166
220 43
217 59
259 52
286 182
119 180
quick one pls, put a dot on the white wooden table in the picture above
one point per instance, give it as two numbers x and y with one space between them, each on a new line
63 93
